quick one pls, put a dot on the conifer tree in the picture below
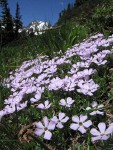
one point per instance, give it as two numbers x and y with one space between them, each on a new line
18 22
68 12
79 2
7 22
69 7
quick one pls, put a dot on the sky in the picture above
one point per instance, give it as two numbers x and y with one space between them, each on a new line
40 10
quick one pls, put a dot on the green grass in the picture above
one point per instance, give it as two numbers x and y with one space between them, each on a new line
52 41
13 55
49 44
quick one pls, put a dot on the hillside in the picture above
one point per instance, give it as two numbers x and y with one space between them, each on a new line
97 15
56 87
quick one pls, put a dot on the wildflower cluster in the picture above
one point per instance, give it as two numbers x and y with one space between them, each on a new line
36 76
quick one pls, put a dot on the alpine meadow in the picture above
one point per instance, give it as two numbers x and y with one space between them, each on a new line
56 81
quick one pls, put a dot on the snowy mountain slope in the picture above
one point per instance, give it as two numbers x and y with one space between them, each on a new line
36 28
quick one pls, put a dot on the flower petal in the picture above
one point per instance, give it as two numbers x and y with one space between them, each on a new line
38 96
55 119
83 118
39 132
94 132
65 119
41 106
94 104
61 116
51 125
69 100
46 122
74 126
75 119
89 93
88 108
62 102
87 124
46 103
59 125
109 130
105 137
102 127
47 135
82 129
93 113
96 138
39 125
100 113
100 106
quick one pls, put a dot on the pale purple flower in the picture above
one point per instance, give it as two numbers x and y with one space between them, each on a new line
67 103
84 55
55 84
21 106
103 133
46 105
30 76
75 67
9 109
44 127
52 69
62 118
98 59
68 84
83 64
100 62
87 88
41 77
30 89
87 72
80 123
37 97
95 105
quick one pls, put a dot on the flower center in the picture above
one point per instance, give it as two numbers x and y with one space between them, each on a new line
45 129
80 124
102 134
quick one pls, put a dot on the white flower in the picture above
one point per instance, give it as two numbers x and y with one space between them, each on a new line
95 105
80 123
62 118
55 84
37 97
46 105
43 128
87 88
103 133
67 103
